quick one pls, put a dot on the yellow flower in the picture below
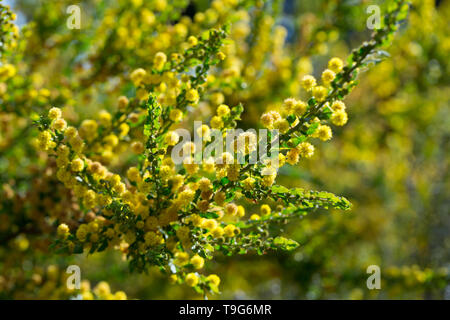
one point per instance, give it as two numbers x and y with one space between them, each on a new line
208 164
54 113
339 117
197 261
44 140
59 124
204 132
140 224
267 120
248 183
320 93
204 184
231 209
176 115
165 172
196 220
221 55
160 5
308 82
323 132
152 238
122 103
88 127
336 65
71 132
111 140
87 295
137 76
190 166
102 289
81 232
173 278
192 96
214 279
305 149
186 196
241 211
254 217
299 108
189 147
142 94
289 104
282 125
151 223
338 106
120 295
7 71
159 60
209 224
217 122
124 129
281 160
265 210
247 142
328 76
183 233
104 117
223 110
63 230
191 279
177 182
77 165
232 171
193 41
220 197
217 232
217 98
171 138
229 230
137 147
77 144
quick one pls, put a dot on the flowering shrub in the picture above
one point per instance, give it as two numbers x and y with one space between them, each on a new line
117 186
388 161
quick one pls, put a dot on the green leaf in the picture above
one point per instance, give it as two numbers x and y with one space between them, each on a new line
152 122
297 140
103 246
209 215
291 118
279 189
312 128
224 181
93 247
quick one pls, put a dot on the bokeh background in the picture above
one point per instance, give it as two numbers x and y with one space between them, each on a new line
391 160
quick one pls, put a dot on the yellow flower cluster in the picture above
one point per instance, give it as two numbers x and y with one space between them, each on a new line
120 189
294 112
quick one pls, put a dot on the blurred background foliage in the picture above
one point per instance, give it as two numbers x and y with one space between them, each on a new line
391 160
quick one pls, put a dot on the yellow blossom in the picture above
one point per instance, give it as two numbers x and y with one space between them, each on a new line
192 96
305 149
191 279
339 118
197 261
336 65
320 93
308 82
